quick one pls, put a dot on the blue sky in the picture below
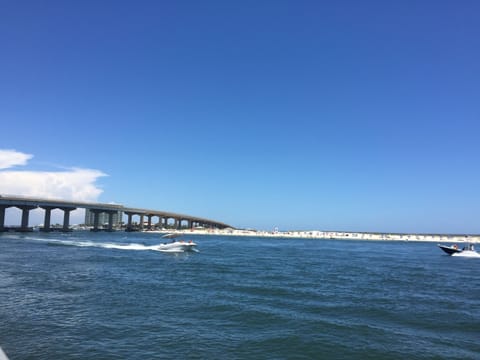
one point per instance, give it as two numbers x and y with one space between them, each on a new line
335 115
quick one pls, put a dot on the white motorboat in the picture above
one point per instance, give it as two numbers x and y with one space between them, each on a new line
176 246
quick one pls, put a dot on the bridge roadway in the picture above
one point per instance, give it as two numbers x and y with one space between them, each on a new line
25 204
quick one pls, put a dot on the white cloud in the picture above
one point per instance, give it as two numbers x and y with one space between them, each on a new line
72 184
75 184
9 158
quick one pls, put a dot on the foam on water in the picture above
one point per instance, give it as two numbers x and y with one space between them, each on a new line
107 245
467 254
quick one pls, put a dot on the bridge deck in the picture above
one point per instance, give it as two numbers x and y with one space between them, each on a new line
28 203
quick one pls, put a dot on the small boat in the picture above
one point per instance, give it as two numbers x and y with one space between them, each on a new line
450 249
454 250
176 246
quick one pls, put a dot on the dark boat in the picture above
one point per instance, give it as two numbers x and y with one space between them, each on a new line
450 249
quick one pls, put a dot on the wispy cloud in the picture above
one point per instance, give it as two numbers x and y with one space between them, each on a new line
10 158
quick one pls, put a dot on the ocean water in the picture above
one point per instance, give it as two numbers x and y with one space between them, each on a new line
88 295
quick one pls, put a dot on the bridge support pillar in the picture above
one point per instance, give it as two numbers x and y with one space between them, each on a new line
141 222
66 218
2 218
46 220
96 218
129 221
25 214
110 220
149 226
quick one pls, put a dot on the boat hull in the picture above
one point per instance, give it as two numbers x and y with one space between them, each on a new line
450 250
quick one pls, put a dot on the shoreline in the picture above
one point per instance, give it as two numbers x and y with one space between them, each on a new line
328 235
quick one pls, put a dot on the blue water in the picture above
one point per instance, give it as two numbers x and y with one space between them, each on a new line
73 296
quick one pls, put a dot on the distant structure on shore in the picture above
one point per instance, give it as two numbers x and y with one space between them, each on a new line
109 211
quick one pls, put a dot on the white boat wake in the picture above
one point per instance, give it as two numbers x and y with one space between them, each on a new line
173 247
467 253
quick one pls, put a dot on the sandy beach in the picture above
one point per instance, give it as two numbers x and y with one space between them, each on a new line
338 235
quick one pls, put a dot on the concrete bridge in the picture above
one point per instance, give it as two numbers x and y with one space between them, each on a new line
25 204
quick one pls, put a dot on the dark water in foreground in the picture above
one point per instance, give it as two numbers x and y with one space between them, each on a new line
70 296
